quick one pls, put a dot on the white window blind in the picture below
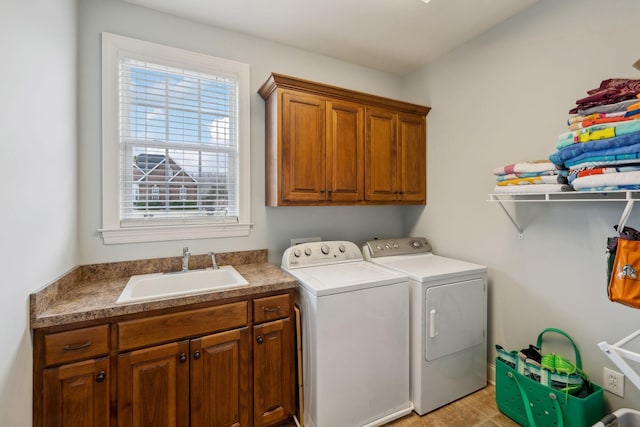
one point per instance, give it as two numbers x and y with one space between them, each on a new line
178 144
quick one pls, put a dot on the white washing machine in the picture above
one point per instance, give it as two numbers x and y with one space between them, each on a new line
355 336
448 320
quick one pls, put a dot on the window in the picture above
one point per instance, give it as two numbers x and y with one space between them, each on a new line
175 143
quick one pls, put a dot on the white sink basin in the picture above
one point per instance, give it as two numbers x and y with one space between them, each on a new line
163 285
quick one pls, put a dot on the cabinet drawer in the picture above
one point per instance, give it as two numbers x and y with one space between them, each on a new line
174 326
270 308
78 344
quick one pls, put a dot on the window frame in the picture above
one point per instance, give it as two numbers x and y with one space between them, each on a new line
113 231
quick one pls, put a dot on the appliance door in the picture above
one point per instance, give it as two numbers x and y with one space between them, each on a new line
455 317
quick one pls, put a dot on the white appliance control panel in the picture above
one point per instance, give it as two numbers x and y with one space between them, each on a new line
399 246
318 253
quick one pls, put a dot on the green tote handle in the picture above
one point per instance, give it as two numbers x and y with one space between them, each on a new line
564 334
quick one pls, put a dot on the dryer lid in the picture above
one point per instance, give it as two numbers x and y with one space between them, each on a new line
429 267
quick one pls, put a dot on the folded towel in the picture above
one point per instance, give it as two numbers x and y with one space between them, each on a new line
529 166
535 189
607 180
536 180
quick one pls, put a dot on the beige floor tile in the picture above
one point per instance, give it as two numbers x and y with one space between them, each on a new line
476 410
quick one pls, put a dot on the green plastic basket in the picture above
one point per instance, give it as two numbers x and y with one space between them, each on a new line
532 404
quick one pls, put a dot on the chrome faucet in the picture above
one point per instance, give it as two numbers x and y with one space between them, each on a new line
185 258
214 264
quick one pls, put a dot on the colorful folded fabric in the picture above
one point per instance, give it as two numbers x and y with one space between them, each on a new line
538 188
588 123
607 108
582 172
599 161
578 118
607 180
509 176
529 166
610 91
610 146
612 188
530 181
598 131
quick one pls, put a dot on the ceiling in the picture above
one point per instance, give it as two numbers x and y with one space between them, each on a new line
395 36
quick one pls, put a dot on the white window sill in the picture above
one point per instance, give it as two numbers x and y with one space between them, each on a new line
176 232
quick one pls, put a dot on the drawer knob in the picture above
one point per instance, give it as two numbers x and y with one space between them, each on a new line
100 376
182 358
76 346
196 355
271 310
259 340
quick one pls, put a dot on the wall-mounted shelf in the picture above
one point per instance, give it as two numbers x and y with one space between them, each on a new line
570 196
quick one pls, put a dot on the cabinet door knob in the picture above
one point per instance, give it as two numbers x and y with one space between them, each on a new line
196 355
259 340
182 358
100 376
322 191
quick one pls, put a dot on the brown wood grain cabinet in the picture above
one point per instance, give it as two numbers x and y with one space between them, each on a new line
332 146
273 360
395 159
185 367
76 394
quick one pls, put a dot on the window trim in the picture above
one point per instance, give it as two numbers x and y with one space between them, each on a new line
112 230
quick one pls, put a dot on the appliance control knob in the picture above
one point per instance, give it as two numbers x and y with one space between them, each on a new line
341 248
297 253
324 249
307 251
378 247
396 246
387 246
415 244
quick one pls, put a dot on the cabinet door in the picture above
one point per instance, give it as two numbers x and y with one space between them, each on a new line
345 156
380 155
77 394
273 372
153 386
303 148
220 380
412 157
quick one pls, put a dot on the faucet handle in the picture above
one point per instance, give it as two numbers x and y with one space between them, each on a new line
185 250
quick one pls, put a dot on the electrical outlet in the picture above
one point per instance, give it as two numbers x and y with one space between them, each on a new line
298 240
613 382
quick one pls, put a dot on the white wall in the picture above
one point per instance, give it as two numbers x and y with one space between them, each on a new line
503 98
273 226
38 155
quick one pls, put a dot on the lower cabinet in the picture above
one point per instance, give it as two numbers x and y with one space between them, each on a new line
153 386
76 394
198 382
220 379
167 371
273 373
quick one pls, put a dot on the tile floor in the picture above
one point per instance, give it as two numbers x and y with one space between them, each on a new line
476 410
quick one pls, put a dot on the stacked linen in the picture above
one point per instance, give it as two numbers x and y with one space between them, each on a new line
602 147
536 176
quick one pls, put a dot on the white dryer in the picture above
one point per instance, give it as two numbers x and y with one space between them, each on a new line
355 336
448 320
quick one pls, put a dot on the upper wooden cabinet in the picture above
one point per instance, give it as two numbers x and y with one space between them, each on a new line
331 146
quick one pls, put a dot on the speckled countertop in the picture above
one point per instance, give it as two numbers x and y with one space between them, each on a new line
89 292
